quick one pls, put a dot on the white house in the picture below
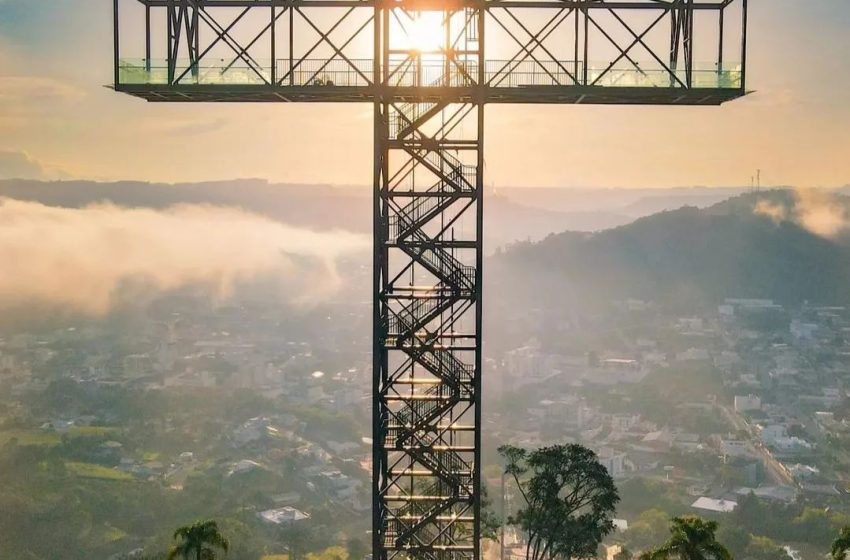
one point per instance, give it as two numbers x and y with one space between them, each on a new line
284 515
713 505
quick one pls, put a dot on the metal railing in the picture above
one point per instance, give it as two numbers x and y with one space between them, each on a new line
325 73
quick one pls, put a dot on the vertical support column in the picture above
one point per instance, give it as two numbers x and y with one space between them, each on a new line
380 319
428 253
479 322
147 38
479 287
721 39
195 40
576 13
378 310
585 61
744 26
291 68
273 45
171 62
675 29
115 43
689 44
193 35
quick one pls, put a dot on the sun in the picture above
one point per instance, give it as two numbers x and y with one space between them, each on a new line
425 31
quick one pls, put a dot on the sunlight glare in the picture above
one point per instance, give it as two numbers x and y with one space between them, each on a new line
426 32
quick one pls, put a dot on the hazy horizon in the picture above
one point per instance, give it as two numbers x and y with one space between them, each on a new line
57 120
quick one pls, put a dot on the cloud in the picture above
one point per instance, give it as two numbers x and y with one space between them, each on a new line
36 90
773 210
26 100
18 165
822 212
89 259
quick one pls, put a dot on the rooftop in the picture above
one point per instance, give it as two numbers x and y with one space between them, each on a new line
286 514
717 506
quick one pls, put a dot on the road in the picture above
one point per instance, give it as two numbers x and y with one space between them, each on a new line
776 471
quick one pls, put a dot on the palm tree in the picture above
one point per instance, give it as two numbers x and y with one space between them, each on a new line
841 545
692 538
198 541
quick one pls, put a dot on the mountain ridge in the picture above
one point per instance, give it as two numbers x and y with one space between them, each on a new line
687 257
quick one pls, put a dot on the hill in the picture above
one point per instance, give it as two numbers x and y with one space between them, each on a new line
683 258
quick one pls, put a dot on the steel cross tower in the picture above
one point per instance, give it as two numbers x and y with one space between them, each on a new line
424 66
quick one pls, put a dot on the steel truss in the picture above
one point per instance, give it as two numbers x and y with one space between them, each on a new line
428 174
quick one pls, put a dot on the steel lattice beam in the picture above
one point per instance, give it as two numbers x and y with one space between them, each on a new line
552 51
428 174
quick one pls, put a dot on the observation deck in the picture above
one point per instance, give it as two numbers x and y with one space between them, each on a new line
409 79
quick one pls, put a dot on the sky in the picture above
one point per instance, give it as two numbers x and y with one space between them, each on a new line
57 120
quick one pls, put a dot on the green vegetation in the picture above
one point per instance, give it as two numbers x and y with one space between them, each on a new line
647 529
198 541
793 523
641 494
71 502
568 500
89 470
752 532
841 545
49 438
29 438
91 431
691 538
744 545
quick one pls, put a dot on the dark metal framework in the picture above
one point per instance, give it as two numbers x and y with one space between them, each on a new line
429 90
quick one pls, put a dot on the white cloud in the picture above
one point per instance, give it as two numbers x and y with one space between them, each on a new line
88 259
27 101
819 211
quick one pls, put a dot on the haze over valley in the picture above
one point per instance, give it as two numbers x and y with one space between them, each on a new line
175 351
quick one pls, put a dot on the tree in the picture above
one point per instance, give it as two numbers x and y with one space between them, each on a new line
490 522
841 545
297 537
735 538
647 530
750 514
569 500
198 541
356 548
762 548
692 538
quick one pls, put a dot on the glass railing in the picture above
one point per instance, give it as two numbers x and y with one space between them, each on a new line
141 71
207 72
411 72
702 76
